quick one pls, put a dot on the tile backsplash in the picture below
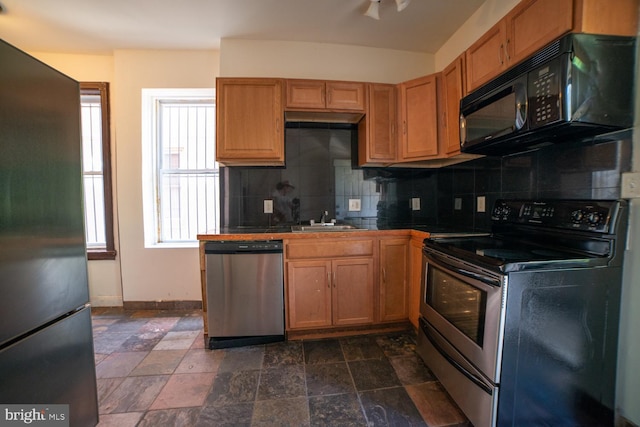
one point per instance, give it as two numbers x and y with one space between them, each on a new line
321 176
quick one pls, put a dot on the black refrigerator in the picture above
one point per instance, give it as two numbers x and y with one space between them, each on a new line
46 346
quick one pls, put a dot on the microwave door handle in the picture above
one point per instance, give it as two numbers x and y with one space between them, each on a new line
462 271
473 378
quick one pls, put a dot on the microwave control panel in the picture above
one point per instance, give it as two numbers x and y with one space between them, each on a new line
543 96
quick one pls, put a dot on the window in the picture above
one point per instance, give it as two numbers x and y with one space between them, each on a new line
181 174
96 165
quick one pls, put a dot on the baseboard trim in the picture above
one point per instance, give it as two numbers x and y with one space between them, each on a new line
162 305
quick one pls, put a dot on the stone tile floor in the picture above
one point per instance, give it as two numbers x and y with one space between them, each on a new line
153 370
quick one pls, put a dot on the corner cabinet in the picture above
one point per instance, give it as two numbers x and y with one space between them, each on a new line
377 141
394 279
250 128
418 119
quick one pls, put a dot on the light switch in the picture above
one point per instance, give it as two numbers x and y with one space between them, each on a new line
268 206
457 203
415 204
481 204
354 205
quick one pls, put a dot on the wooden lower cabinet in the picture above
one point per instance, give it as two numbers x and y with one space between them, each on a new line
415 279
393 279
323 293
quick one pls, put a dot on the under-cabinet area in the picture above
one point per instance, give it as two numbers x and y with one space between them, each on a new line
341 283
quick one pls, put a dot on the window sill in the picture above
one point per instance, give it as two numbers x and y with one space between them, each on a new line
100 255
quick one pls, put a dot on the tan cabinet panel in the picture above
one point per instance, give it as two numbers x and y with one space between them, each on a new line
394 284
352 291
309 294
249 129
306 94
419 118
377 139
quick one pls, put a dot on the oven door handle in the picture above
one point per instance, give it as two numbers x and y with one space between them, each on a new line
443 263
473 378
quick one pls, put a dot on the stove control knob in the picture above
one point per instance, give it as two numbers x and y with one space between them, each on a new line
577 216
593 218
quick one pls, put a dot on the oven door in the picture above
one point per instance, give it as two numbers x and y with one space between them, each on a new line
465 304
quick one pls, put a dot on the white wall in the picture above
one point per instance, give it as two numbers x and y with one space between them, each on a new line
151 274
265 58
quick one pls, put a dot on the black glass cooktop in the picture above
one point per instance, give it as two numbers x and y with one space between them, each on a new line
507 254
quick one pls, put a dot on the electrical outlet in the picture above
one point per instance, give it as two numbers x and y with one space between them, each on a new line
481 204
415 204
268 206
630 185
354 205
457 203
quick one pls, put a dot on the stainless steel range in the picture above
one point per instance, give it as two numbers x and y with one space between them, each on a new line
521 325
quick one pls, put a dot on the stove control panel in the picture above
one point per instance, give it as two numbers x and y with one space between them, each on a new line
587 215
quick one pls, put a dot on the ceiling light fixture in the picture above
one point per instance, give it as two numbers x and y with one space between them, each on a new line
374 8
402 4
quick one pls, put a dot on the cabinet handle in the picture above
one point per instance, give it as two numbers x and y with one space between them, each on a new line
384 274
500 54
506 51
404 127
334 279
277 125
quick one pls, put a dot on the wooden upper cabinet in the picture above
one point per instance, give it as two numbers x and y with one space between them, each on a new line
486 57
452 92
532 24
306 94
249 124
377 141
418 119
322 95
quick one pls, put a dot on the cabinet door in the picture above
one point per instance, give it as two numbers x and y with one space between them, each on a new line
345 96
377 143
419 114
415 279
487 57
249 122
308 94
453 88
308 294
532 24
394 287
352 283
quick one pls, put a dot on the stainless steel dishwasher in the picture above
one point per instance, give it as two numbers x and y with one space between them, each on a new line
245 292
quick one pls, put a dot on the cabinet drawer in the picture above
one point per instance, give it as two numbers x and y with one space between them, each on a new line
328 248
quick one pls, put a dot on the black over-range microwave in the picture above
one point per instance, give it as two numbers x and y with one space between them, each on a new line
578 86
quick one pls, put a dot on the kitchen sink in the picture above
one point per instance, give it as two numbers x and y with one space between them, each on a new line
326 227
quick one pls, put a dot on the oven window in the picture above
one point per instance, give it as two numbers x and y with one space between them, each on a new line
462 304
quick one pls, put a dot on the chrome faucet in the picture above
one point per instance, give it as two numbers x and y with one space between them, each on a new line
323 217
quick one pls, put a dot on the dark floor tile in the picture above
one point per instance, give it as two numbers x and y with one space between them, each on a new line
322 351
282 382
390 407
233 387
189 323
281 412
107 342
362 347
411 369
336 410
236 415
435 405
181 417
242 359
401 344
372 374
127 326
328 378
283 353
134 394
145 341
